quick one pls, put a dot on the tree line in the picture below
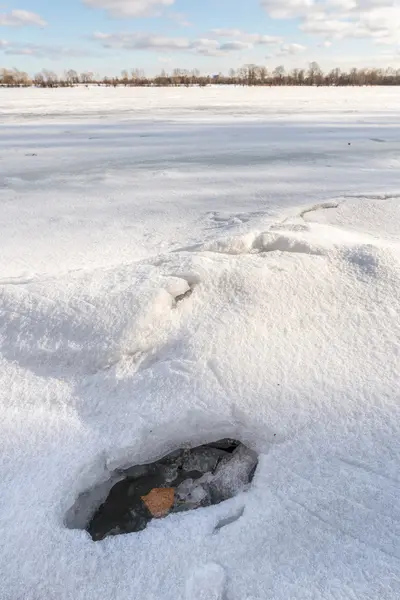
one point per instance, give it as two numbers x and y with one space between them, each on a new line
248 75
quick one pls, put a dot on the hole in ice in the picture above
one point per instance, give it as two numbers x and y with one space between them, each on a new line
186 479
187 294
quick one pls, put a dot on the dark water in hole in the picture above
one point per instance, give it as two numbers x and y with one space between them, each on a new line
184 480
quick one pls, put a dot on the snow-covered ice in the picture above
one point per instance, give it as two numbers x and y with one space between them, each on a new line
279 209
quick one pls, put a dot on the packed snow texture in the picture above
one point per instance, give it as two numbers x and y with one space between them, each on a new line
279 209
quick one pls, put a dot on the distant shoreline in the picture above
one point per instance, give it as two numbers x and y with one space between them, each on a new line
248 76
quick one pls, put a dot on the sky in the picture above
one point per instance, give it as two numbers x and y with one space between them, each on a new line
108 36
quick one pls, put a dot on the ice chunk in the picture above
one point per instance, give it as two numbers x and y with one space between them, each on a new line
204 460
190 495
233 474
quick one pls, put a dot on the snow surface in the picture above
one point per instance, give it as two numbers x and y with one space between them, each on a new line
280 209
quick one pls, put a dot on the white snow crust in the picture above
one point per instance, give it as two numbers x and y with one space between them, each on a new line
280 210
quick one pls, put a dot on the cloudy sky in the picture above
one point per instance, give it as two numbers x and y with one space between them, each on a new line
106 36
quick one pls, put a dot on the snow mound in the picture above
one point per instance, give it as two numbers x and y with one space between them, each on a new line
377 215
88 322
270 241
291 346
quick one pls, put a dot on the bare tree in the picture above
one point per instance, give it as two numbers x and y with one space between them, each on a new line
46 79
314 75
279 75
263 74
39 80
71 77
249 74
14 78
86 77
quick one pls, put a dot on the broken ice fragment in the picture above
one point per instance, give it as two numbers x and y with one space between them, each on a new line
159 501
204 460
233 474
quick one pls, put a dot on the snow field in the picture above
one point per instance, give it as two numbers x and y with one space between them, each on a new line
289 341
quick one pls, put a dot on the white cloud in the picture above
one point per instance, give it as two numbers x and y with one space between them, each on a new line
21 18
340 19
53 52
385 20
141 41
286 50
102 36
130 8
328 27
283 9
345 5
231 33
232 46
204 43
206 47
144 41
381 24
21 52
290 49
243 36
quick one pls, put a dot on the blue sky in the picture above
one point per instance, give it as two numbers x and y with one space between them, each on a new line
106 36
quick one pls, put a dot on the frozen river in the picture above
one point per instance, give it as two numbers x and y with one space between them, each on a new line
279 208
